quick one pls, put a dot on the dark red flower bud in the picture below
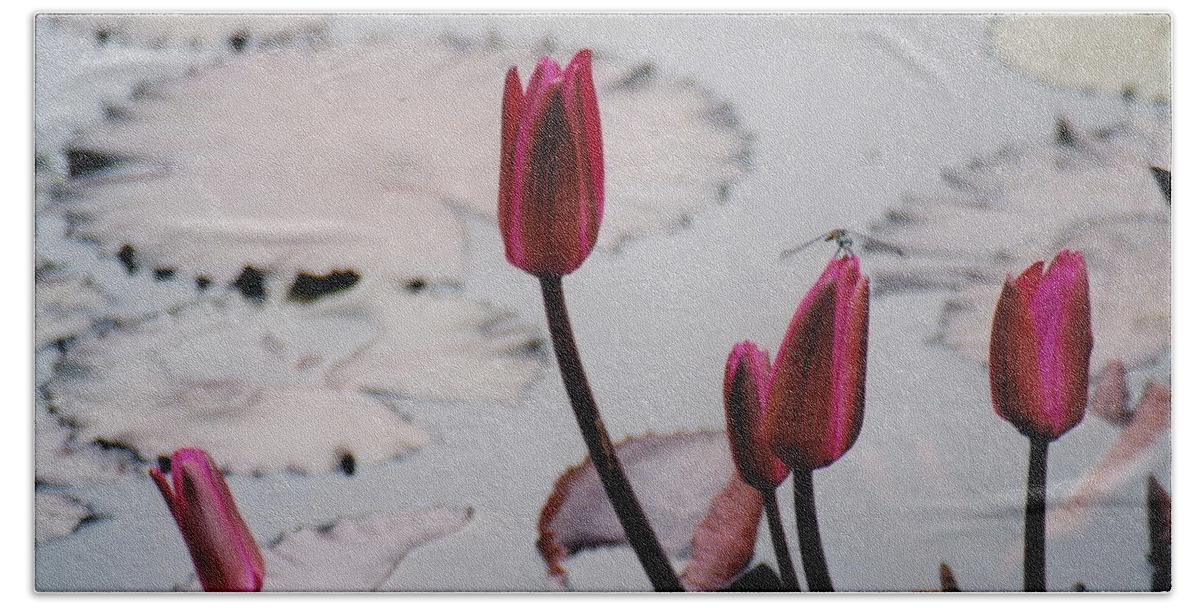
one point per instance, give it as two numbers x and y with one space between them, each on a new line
551 167
1041 347
818 385
747 382
222 549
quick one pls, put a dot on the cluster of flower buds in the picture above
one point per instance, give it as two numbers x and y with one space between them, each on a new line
801 413
810 402
804 411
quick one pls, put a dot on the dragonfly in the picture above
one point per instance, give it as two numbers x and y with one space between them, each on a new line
845 244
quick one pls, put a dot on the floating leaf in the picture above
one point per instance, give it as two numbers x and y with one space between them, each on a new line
697 504
247 382
78 82
76 290
62 461
56 515
1126 54
723 542
226 32
352 554
311 161
433 346
1125 460
1094 195
65 307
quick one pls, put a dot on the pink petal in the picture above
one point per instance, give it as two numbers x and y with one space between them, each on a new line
1062 356
849 357
719 546
545 81
510 120
583 117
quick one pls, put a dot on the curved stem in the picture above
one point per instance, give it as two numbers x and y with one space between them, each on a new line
783 557
604 457
1035 516
812 555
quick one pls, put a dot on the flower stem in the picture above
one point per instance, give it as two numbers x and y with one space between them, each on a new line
1158 510
812 554
604 457
783 558
1035 516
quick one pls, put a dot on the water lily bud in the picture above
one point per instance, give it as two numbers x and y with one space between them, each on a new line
1041 347
747 382
818 385
551 167
223 550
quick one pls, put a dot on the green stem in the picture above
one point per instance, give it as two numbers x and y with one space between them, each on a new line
1035 516
783 558
633 519
812 555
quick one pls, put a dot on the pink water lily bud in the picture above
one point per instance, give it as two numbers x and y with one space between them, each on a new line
551 167
818 385
223 550
747 382
1041 346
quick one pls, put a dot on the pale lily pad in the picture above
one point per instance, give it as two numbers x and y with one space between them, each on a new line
61 460
65 307
1093 192
313 161
351 554
1127 54
699 507
248 382
228 31
56 515
76 290
78 81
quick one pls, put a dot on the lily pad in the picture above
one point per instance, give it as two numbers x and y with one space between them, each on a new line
351 554
249 382
1126 54
311 161
696 502
65 307
56 515
61 460
1091 192
1110 399
79 81
226 32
